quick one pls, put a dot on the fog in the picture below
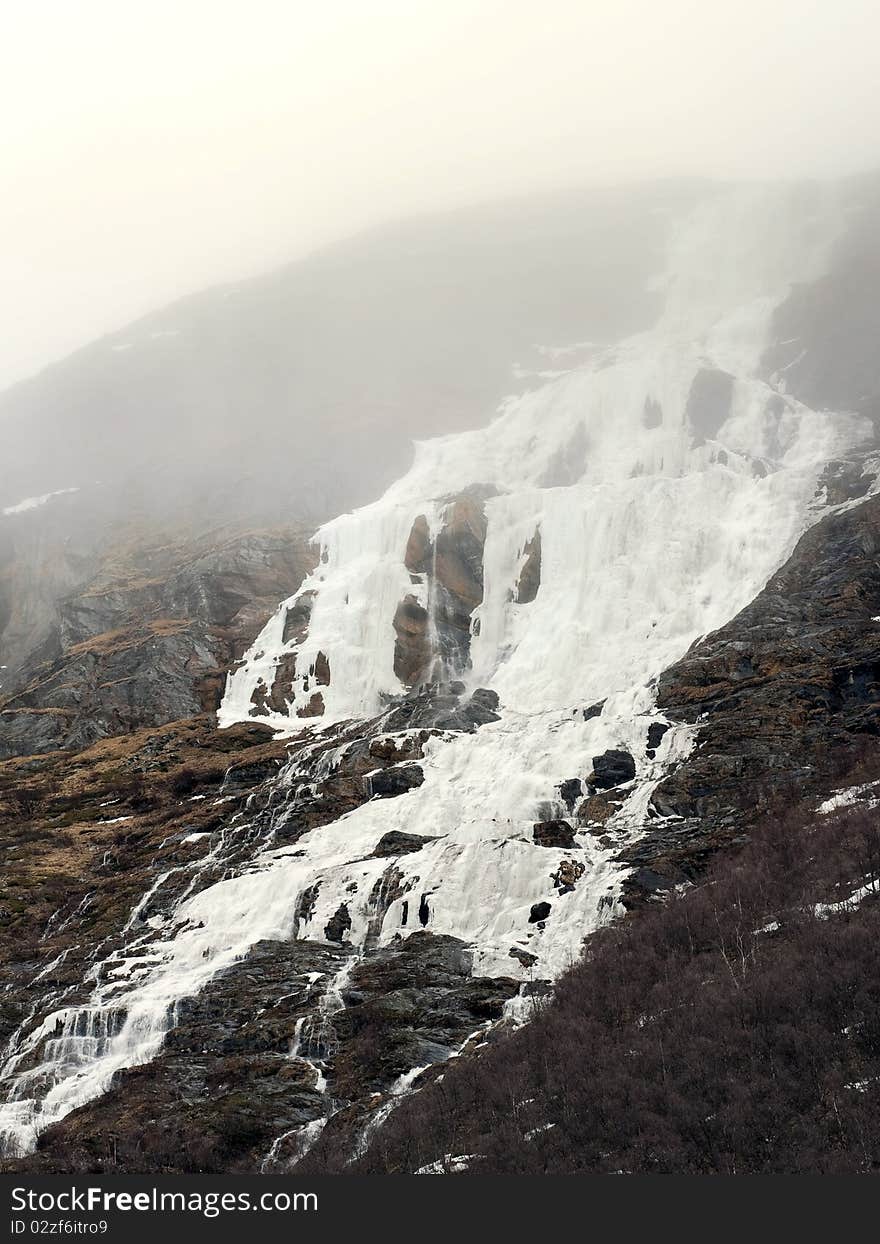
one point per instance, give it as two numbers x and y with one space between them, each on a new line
152 149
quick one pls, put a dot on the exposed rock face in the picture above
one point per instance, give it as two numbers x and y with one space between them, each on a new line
444 706
419 549
418 1027
226 1086
108 842
397 781
459 548
612 768
148 639
268 1046
338 924
97 828
553 834
296 619
656 732
433 632
413 656
784 695
596 809
570 791
397 843
114 684
530 576
85 837
45 555
314 707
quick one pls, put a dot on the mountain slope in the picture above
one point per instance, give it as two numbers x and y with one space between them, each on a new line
732 1031
339 360
479 759
295 396
146 639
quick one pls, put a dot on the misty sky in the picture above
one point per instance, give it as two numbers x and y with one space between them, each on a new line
151 147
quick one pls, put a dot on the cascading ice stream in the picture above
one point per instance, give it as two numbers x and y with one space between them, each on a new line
667 480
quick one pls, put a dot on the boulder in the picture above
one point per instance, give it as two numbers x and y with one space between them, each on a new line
338 924
530 575
396 842
612 768
553 834
397 780
656 731
570 791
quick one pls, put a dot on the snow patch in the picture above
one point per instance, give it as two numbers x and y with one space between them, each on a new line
34 503
849 796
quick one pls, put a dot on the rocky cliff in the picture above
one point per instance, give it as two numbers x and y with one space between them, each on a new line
785 699
146 635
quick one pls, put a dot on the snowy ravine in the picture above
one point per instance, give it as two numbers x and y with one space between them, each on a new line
663 497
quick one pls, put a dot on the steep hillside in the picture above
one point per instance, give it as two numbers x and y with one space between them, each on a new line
298 395
144 633
732 1031
531 689
337 361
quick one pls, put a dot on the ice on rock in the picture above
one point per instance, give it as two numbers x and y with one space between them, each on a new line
657 534
659 537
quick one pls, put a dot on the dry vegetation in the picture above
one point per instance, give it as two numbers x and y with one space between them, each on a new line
90 828
733 1030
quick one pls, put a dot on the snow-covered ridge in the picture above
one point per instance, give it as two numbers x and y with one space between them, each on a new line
667 482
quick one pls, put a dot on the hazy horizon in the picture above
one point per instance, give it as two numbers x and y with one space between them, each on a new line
151 153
